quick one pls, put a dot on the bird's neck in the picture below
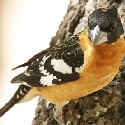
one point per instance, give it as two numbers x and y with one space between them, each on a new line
104 58
112 52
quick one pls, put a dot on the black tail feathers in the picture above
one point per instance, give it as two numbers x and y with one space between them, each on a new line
19 94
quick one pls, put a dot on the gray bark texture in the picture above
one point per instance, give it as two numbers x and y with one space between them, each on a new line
104 107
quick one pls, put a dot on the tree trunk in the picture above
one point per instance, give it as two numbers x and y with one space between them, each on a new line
104 107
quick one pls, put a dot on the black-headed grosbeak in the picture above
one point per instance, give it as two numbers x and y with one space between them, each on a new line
76 67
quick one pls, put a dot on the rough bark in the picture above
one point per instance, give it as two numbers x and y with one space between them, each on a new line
104 107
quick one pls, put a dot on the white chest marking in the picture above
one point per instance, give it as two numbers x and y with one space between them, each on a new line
61 66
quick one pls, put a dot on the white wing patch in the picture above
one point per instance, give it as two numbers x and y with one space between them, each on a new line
44 71
77 69
26 73
60 66
47 80
44 59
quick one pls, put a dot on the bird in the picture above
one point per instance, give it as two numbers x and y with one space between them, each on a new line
76 67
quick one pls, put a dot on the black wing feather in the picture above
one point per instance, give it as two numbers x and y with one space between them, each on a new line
32 59
69 51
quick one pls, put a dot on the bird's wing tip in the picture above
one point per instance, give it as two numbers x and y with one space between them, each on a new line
22 65
17 79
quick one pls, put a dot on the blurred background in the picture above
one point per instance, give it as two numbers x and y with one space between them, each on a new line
26 27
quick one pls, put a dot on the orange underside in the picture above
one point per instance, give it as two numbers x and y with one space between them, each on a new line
101 64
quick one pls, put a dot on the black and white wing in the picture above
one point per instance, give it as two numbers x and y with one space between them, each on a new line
32 59
59 65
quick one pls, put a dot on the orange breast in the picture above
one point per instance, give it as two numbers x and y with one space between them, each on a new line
92 79
100 67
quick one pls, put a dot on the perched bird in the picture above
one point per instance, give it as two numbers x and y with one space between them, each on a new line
75 67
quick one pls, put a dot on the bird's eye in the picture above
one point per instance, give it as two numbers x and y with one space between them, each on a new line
113 27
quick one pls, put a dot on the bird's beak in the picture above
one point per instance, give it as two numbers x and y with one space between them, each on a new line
97 36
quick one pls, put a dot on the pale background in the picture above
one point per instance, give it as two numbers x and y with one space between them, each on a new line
26 28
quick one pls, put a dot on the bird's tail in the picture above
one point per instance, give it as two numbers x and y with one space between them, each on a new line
19 94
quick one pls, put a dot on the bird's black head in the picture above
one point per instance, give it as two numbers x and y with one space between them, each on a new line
105 26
